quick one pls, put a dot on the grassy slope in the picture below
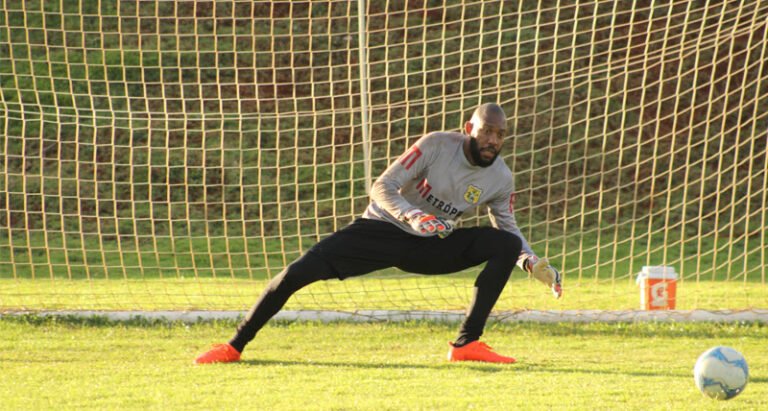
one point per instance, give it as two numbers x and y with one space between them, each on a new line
98 365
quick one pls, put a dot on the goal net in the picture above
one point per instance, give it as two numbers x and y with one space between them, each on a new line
177 155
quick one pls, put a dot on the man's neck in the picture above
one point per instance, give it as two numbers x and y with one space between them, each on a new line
467 152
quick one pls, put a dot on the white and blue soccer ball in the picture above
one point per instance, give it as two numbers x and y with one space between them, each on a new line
721 373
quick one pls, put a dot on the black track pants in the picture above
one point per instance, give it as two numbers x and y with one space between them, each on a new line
369 245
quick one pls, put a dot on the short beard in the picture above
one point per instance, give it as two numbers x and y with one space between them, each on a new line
474 151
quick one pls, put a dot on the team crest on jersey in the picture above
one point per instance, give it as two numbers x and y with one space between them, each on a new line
472 195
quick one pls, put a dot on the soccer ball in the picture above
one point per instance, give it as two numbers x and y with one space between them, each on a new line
721 373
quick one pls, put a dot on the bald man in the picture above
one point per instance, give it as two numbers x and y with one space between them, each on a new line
409 224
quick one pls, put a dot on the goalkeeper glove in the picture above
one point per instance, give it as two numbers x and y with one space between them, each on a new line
425 223
544 272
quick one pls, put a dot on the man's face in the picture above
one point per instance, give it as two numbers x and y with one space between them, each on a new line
487 132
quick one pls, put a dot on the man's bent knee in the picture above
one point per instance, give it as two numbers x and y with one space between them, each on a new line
504 244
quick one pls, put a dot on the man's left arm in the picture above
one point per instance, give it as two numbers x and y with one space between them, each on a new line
502 214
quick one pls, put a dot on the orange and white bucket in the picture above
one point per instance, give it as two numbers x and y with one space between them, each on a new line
658 287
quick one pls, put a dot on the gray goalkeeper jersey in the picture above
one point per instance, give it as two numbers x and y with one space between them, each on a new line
435 176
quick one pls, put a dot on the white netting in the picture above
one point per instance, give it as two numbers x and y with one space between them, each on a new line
175 155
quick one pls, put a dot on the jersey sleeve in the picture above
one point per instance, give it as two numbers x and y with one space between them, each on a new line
411 165
502 214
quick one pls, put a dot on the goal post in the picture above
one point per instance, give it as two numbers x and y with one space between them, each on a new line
161 156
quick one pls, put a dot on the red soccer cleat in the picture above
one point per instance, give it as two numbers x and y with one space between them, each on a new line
219 353
477 351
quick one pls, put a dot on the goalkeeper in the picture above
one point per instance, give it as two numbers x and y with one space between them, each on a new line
410 224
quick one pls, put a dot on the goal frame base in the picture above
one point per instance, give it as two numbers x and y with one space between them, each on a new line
539 316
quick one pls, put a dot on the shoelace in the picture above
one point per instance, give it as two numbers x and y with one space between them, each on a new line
486 346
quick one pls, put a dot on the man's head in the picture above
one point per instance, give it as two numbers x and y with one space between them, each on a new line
486 129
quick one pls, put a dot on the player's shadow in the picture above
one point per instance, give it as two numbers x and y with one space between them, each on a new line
542 368
490 368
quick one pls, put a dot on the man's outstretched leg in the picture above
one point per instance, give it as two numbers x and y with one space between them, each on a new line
302 272
359 248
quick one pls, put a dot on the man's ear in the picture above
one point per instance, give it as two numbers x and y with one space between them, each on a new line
468 127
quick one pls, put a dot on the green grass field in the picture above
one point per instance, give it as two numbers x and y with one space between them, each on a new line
164 156
95 364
